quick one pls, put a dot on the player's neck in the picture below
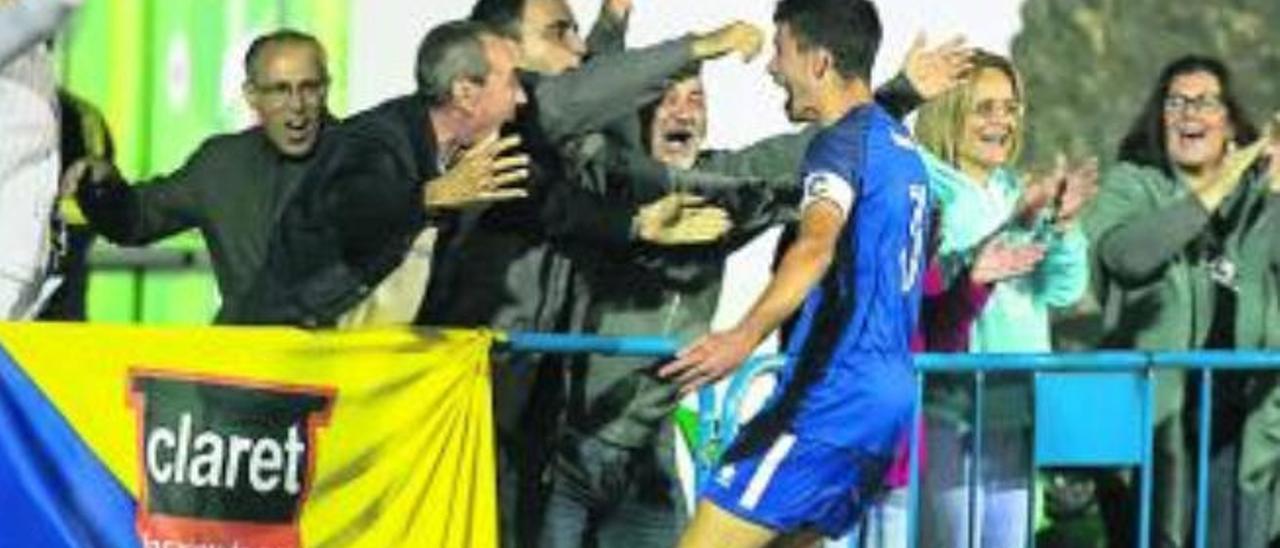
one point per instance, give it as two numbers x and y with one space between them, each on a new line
838 99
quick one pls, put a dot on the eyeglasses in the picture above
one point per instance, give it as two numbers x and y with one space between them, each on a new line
277 94
563 30
1182 104
991 108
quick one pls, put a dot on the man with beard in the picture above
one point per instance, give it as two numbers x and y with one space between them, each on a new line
613 473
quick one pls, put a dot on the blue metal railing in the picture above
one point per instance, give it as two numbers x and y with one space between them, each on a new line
591 344
1142 364
720 421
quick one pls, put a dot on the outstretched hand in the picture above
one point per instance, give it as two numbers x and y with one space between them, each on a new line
709 359
485 173
739 37
681 219
933 72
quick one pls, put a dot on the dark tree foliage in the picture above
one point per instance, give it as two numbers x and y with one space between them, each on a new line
1090 64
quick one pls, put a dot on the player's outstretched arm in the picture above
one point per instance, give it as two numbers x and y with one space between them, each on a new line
716 355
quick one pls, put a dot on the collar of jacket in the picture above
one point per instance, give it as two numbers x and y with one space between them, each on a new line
947 180
327 123
421 136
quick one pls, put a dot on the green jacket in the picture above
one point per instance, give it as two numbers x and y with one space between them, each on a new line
1154 285
1152 281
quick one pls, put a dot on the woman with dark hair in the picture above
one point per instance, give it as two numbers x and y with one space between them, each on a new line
1184 232
1145 144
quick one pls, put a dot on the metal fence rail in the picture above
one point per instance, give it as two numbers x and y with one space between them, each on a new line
1126 378
1095 368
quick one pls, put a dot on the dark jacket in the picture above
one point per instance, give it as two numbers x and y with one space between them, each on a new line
351 222
232 189
510 266
84 134
360 207
506 266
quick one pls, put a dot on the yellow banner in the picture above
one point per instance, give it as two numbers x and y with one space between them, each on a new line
280 437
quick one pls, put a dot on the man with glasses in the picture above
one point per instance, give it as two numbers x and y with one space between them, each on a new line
235 185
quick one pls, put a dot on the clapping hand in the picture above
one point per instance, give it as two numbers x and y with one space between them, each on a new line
999 260
1079 186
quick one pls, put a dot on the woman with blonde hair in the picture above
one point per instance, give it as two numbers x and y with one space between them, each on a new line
971 138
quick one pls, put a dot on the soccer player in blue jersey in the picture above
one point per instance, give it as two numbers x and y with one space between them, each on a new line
812 460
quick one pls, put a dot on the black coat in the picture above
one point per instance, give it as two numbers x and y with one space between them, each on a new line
353 219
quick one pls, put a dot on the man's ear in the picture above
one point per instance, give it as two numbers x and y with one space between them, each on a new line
250 94
821 62
464 92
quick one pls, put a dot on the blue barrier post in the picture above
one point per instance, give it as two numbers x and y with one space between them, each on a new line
709 438
1048 450
1148 459
1202 466
1032 465
913 483
1208 362
975 461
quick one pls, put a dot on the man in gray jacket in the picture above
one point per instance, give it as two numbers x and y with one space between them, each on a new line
235 186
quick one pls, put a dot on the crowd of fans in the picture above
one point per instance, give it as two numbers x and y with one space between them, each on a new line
539 181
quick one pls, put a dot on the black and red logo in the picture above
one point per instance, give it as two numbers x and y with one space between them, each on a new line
225 462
